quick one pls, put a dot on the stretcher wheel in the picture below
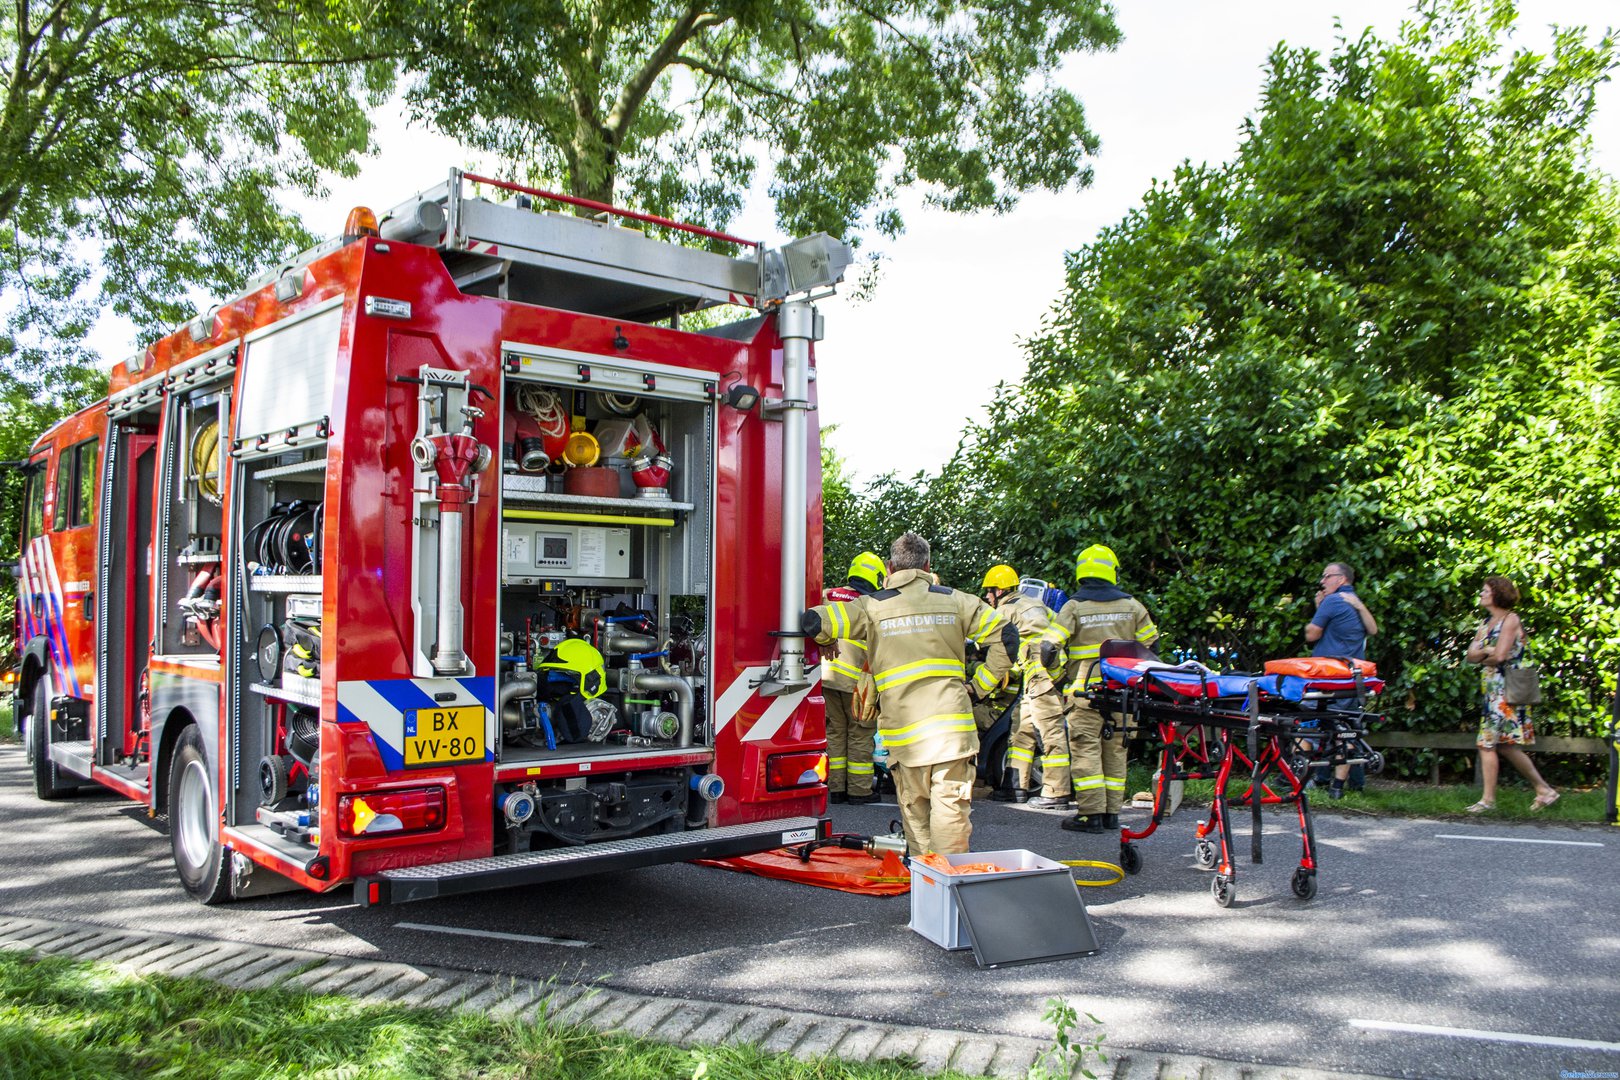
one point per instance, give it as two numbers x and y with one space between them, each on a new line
1304 883
1375 763
1222 889
1204 854
1130 860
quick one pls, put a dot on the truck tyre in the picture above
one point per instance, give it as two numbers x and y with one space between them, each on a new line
49 783
194 822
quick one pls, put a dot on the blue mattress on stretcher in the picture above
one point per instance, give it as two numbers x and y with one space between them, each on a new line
1194 681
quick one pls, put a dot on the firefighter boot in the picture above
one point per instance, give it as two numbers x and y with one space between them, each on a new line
1110 822
1009 791
1085 823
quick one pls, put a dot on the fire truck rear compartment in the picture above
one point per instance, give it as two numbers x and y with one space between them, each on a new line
604 613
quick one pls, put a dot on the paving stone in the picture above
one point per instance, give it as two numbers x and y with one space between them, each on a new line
63 943
398 983
1014 1057
498 990
786 1036
177 963
859 1043
342 980
516 1003
202 964
935 1051
693 1015
460 990
284 968
125 951
140 961
23 934
973 1055
720 1027
580 1009
422 993
612 1015
111 947
649 1022
901 1043
757 1027
823 1039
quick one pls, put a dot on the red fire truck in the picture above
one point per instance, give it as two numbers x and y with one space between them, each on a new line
444 559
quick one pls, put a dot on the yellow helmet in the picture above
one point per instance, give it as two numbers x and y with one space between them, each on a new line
869 568
1000 576
580 658
1098 561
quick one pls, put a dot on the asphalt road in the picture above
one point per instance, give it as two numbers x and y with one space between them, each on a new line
1511 931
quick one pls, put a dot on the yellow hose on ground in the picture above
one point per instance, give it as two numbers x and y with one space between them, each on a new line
1119 872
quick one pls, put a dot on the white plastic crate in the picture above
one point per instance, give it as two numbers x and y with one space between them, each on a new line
934 911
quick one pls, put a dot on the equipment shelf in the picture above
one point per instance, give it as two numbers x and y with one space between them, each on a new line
514 493
297 468
285 583
298 695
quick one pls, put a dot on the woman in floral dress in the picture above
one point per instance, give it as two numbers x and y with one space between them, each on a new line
1505 729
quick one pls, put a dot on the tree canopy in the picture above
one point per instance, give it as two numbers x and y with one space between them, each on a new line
664 105
1385 333
142 146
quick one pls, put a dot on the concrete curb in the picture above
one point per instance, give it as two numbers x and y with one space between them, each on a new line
681 1022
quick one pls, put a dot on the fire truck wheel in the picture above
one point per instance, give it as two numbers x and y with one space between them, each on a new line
49 783
193 822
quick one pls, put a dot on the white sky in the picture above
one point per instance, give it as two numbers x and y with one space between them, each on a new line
902 374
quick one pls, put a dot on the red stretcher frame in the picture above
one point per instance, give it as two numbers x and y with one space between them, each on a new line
1207 738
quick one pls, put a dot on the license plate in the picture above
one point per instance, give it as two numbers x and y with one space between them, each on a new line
450 736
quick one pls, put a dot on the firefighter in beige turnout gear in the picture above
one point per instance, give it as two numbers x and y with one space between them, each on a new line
1099 611
916 634
851 707
1041 708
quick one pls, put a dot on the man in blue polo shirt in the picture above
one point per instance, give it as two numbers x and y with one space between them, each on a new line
1342 622
1341 626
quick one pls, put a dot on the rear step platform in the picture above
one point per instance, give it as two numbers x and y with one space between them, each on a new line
554 864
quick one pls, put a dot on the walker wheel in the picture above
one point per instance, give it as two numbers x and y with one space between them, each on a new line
1204 855
1130 860
1221 887
1304 883
1301 765
1375 763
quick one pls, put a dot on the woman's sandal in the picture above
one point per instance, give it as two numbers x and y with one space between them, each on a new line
1481 807
1541 802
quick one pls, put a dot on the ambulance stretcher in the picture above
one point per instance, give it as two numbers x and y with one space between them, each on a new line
1265 728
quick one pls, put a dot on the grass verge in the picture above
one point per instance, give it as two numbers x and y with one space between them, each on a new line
1400 798
8 723
65 1019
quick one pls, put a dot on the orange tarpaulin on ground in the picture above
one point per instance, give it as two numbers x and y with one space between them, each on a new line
828 868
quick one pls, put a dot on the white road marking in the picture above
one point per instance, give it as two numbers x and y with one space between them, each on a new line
1517 840
1488 1036
532 939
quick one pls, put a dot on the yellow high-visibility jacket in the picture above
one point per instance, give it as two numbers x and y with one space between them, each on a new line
843 661
916 634
1095 615
1033 620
